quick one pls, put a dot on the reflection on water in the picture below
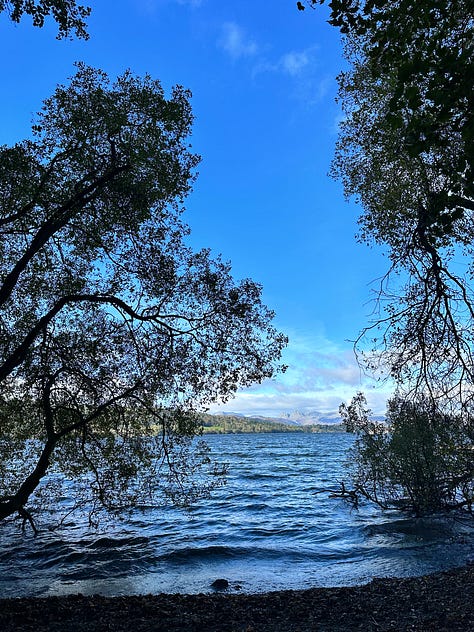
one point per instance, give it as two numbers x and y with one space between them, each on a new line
266 529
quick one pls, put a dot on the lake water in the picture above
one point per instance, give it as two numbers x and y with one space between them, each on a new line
267 529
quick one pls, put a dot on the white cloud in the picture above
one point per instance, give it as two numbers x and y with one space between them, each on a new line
295 62
303 68
191 3
150 7
320 376
235 43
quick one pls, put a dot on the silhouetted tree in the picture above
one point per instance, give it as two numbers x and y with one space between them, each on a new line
417 203
425 49
112 330
405 153
419 460
69 16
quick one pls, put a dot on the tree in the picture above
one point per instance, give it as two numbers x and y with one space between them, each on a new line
69 16
405 152
419 461
112 330
426 47
416 204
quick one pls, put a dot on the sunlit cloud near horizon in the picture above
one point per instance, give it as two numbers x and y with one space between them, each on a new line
320 376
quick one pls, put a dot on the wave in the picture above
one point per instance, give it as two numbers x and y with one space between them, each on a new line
265 527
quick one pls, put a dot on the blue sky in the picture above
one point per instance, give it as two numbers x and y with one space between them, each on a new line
263 78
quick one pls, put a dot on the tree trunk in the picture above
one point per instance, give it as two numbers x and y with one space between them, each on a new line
16 503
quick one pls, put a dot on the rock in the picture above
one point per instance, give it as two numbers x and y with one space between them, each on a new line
220 584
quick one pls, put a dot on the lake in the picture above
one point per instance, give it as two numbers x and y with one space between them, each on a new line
267 529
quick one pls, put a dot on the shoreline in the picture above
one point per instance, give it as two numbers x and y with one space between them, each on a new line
442 601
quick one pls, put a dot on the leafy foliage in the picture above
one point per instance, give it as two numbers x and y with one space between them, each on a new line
112 330
69 16
405 152
420 460
417 202
426 47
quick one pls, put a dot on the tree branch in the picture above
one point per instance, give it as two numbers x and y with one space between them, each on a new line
62 216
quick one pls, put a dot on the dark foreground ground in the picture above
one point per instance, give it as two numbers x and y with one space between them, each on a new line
441 602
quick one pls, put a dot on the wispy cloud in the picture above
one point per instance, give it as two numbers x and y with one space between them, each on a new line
151 6
303 68
234 41
293 63
191 3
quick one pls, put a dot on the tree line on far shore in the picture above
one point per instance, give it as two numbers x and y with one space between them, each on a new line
233 424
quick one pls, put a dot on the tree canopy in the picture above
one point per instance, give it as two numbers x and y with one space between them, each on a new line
426 47
405 152
69 16
423 50
112 330
419 460
406 155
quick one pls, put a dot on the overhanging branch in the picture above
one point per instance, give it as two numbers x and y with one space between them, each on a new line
62 216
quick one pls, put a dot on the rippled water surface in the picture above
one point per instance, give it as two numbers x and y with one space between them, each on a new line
267 529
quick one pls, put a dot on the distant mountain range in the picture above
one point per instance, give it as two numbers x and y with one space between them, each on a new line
299 418
295 418
311 417
229 423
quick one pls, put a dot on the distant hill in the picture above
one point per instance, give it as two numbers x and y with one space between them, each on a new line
296 417
236 424
299 418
